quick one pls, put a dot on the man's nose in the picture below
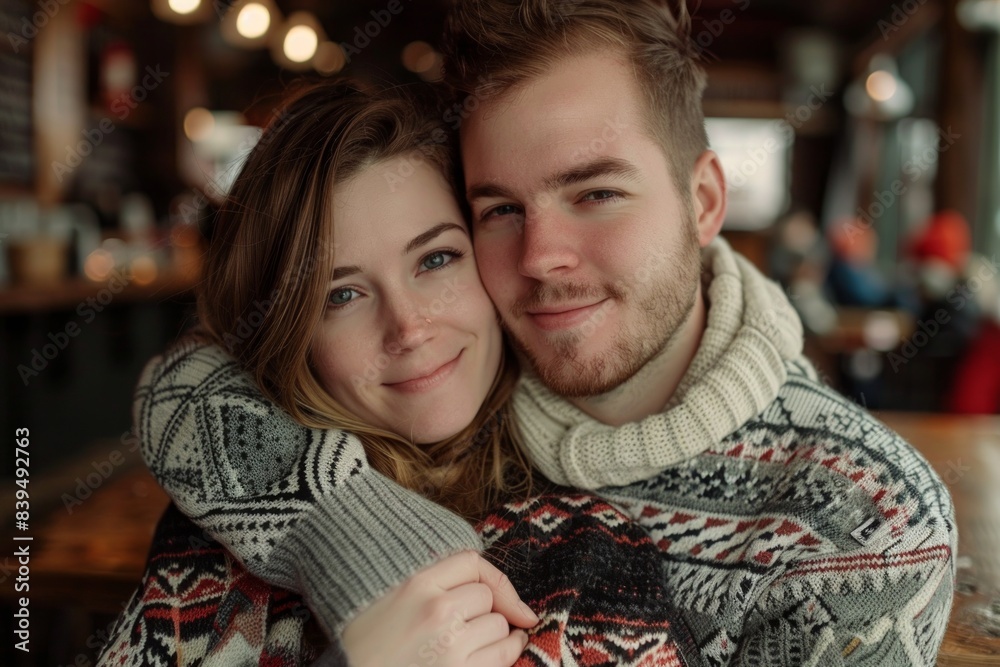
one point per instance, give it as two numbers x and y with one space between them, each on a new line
547 244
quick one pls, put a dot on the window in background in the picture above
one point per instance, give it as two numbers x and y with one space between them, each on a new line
756 157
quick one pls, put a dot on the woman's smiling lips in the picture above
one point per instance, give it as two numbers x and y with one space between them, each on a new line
428 381
557 317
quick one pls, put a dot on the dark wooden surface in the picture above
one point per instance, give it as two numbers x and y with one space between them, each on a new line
966 453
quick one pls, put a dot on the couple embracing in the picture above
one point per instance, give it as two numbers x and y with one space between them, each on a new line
524 406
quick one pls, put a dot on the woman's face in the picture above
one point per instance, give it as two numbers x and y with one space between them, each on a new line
409 341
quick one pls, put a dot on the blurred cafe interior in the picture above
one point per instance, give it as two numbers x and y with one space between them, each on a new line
860 140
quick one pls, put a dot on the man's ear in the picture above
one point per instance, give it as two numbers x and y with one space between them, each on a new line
708 196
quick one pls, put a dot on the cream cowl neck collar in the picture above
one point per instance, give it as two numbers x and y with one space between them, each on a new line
751 331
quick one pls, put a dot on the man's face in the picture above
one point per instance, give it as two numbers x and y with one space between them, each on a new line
586 247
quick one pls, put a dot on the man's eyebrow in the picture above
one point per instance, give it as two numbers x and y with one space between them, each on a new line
431 234
484 190
419 240
603 166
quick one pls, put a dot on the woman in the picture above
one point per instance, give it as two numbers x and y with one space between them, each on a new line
340 296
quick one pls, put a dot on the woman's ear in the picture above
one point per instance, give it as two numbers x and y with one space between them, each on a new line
708 196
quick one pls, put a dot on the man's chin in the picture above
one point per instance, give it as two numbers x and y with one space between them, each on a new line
578 377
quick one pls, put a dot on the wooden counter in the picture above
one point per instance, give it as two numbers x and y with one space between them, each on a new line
965 451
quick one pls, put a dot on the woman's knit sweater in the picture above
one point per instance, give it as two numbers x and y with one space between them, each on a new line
299 507
197 606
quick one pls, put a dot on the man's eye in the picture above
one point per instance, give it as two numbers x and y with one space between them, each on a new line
342 296
500 211
601 195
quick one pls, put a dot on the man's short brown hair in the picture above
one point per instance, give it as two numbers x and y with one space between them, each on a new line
491 46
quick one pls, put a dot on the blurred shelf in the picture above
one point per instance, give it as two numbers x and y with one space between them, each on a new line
856 326
74 292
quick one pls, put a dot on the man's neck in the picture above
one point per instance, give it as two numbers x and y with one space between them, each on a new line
648 391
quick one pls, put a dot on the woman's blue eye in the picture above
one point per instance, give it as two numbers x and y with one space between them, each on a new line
439 259
341 296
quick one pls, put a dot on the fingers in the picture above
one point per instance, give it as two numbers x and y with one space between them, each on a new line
455 570
469 567
505 599
502 653
471 600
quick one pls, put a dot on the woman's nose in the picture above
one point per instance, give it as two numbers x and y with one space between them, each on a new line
412 327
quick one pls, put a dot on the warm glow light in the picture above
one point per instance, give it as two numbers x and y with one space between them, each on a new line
329 59
300 43
880 331
881 85
419 57
184 236
184 6
434 71
98 265
253 20
144 270
198 124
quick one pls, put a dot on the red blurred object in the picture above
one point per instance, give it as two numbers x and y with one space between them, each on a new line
87 15
977 381
853 240
118 72
946 238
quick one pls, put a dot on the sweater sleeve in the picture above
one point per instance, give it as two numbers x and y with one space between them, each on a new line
299 507
872 593
856 623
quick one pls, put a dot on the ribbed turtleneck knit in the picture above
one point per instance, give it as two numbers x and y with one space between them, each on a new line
751 332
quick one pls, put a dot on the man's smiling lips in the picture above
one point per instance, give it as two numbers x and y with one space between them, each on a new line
428 380
554 318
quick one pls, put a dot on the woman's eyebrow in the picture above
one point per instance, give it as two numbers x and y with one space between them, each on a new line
431 234
418 241
344 271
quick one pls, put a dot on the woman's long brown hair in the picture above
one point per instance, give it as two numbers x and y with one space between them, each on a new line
266 281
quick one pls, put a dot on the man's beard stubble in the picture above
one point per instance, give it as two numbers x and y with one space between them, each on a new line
661 311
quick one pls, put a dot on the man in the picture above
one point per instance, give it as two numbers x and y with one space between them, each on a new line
662 368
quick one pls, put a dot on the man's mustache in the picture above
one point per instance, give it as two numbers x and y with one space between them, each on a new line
546 294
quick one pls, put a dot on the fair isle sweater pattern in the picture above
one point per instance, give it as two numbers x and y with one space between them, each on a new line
810 536
299 507
196 605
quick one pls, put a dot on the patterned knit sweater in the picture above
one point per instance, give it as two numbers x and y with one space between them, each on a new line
794 528
196 605
299 507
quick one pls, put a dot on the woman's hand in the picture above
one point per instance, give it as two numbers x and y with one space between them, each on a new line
453 613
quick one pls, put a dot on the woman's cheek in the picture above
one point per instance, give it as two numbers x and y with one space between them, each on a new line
333 357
